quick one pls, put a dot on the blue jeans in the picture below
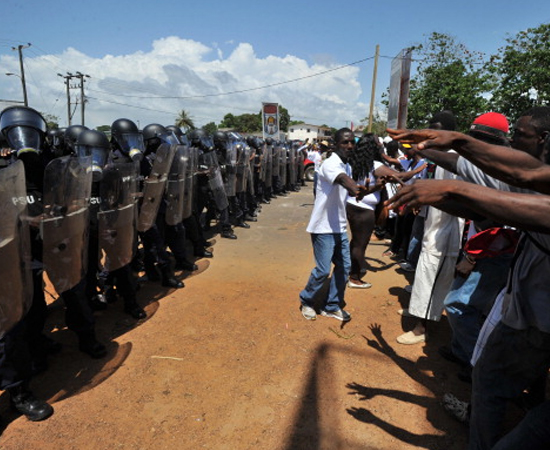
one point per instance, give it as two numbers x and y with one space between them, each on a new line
328 249
533 432
415 242
470 299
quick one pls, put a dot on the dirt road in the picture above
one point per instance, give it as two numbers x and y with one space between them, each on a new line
228 362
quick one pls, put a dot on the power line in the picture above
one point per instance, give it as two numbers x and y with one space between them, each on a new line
219 94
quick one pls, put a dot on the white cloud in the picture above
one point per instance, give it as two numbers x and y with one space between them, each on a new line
176 67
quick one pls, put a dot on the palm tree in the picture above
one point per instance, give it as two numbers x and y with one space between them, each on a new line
184 120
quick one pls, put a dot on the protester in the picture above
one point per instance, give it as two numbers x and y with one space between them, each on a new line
367 169
327 227
440 248
517 352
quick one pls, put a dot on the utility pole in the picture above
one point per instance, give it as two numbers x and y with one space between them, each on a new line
67 83
20 48
80 76
373 94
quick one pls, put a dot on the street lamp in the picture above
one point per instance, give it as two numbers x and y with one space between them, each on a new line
25 99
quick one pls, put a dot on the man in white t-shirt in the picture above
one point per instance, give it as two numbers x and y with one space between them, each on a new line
327 226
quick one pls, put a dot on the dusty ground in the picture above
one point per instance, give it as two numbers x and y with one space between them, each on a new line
228 362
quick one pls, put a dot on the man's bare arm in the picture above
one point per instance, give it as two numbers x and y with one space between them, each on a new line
514 167
526 211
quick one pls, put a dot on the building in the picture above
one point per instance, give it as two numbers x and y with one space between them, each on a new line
303 131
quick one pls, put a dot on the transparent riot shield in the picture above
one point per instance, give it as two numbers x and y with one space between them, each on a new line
153 186
117 214
231 170
283 165
268 157
189 189
250 179
260 163
16 292
175 186
215 181
300 166
276 161
240 175
292 165
247 172
65 222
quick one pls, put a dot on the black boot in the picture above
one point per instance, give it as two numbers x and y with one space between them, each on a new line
203 253
183 264
168 278
90 345
228 234
131 307
24 402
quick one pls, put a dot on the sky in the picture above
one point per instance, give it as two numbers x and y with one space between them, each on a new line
147 61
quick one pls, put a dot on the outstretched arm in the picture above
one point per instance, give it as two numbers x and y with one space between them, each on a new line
354 189
514 167
525 211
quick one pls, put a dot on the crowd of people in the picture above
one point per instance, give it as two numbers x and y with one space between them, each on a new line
94 212
460 211
99 215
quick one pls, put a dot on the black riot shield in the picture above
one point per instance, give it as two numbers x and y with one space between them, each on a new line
16 292
215 181
117 214
175 186
153 186
65 222
231 170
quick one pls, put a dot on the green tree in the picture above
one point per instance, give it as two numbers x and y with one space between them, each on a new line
104 128
244 123
228 121
521 69
295 122
449 76
252 123
378 125
184 120
284 118
51 121
210 128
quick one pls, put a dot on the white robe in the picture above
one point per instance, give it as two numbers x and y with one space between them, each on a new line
436 265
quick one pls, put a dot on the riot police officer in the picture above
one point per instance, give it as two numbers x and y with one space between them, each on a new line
227 162
154 136
110 205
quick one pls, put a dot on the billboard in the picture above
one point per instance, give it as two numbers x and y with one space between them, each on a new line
399 89
270 120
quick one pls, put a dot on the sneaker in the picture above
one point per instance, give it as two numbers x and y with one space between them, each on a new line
339 314
406 266
360 285
456 408
308 312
